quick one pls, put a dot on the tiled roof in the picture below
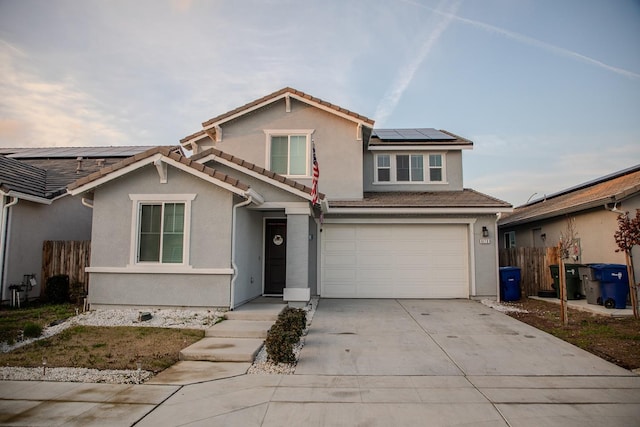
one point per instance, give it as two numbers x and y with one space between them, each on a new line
61 164
432 199
250 166
167 152
275 95
22 177
610 189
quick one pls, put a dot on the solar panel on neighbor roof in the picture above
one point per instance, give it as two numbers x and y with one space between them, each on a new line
72 152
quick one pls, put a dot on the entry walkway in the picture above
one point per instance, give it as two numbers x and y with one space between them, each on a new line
374 363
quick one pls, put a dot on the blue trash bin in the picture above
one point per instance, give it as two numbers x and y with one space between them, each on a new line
614 284
510 283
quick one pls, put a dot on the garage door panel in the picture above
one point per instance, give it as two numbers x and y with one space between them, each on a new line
395 261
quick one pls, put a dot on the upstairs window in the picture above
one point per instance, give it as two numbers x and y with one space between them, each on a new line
288 152
409 168
435 168
384 168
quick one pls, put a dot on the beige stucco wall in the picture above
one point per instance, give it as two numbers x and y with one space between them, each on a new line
595 229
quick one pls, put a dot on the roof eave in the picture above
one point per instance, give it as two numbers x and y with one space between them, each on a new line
419 210
209 124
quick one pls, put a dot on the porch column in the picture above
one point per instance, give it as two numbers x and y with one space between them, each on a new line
297 291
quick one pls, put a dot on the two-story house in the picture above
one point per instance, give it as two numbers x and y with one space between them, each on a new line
238 219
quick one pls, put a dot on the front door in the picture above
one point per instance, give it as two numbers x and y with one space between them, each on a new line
275 256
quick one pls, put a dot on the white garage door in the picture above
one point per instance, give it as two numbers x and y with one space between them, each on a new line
395 261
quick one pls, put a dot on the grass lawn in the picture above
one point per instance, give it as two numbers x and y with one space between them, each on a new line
12 321
612 338
91 346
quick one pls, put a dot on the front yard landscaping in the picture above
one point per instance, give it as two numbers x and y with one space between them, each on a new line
616 339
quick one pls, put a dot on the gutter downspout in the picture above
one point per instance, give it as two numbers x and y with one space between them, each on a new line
85 202
233 249
3 239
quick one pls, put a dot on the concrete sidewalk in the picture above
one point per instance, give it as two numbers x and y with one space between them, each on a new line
372 362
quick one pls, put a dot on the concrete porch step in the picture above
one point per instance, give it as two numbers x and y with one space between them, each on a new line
239 329
258 311
223 350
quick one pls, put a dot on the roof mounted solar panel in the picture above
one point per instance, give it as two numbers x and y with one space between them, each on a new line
419 134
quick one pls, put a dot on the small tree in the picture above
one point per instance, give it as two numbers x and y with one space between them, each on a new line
627 236
568 242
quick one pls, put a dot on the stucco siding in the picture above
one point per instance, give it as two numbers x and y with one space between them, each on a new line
453 172
339 153
210 218
594 228
486 257
159 290
30 224
249 241
113 231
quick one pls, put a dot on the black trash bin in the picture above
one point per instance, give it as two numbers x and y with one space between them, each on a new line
572 279
510 284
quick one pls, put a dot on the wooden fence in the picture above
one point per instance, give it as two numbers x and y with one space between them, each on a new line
66 257
534 267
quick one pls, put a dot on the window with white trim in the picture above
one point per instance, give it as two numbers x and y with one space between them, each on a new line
510 239
435 168
383 168
161 228
288 152
408 168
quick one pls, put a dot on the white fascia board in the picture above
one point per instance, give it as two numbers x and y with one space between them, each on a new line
284 96
419 147
113 175
30 198
159 269
254 174
400 221
442 211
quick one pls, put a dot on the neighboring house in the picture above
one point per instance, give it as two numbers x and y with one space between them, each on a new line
593 206
237 220
34 204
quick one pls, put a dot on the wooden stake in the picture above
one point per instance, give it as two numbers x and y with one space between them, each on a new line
564 317
632 285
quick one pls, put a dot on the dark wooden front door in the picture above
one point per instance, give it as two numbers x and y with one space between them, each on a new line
275 256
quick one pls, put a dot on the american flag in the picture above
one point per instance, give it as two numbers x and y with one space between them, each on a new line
316 175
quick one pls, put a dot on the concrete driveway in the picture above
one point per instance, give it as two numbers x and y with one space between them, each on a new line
435 337
373 363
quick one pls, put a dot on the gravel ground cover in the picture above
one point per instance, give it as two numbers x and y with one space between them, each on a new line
183 319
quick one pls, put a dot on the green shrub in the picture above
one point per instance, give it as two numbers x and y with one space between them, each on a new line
57 289
284 334
32 330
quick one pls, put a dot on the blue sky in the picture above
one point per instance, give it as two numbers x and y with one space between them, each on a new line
548 90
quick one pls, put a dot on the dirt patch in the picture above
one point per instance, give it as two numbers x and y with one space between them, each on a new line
611 338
